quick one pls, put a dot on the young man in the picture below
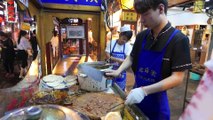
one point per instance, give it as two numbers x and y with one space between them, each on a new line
34 44
117 51
159 59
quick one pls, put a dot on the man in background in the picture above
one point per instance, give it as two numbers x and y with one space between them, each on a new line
34 44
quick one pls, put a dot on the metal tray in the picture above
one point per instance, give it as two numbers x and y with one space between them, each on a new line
63 113
131 112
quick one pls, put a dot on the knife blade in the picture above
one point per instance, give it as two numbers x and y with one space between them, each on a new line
91 72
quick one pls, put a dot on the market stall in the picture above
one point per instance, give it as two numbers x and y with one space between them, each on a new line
68 97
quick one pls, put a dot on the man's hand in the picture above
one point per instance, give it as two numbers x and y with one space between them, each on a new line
111 73
135 96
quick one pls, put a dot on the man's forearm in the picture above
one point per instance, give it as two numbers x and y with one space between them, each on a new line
172 81
114 59
126 64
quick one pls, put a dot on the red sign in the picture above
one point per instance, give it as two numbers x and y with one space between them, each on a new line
11 12
1 19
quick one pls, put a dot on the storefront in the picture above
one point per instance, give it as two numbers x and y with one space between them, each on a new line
84 10
197 26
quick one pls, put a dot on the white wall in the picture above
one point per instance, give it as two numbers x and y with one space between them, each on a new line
179 17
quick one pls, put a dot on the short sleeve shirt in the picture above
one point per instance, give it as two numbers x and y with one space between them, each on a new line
177 56
119 48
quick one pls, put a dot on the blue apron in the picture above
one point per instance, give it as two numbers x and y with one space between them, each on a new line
121 80
154 106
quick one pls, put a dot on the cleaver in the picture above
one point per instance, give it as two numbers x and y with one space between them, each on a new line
91 72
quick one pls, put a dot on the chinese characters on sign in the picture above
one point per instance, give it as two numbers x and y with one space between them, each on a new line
129 16
150 72
11 10
75 2
92 1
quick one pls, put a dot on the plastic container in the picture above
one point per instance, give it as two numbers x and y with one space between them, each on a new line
194 76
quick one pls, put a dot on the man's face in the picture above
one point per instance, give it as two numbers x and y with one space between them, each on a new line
150 18
122 39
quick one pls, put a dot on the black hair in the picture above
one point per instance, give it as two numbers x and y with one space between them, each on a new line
206 35
128 34
55 33
34 31
141 6
21 33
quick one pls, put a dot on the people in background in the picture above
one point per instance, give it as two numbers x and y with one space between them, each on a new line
92 45
34 44
117 50
23 47
204 42
8 54
112 34
90 41
185 30
159 59
55 43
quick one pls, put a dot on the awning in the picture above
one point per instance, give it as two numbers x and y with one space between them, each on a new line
24 9
21 6
127 4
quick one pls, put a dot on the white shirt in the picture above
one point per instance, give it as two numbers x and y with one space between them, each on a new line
24 44
90 37
54 41
119 48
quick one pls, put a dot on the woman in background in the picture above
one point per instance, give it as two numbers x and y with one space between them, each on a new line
118 51
23 47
